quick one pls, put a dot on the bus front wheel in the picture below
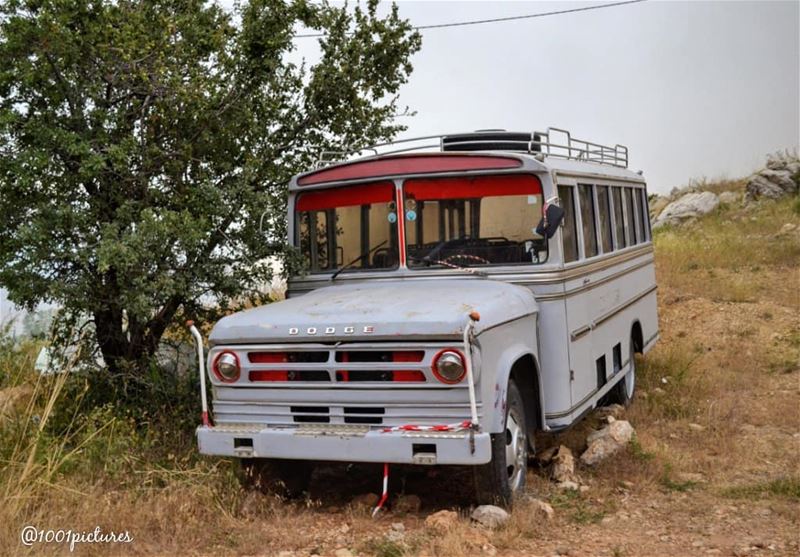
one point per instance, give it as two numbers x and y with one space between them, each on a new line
498 481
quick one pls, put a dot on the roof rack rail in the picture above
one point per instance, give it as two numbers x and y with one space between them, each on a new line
555 142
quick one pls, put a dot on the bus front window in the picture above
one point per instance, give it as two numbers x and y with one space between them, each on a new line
474 221
337 226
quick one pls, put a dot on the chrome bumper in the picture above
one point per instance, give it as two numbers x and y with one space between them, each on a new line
347 443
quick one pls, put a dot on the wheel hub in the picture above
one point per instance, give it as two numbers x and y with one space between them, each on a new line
516 451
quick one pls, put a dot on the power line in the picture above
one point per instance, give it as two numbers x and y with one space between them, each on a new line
502 19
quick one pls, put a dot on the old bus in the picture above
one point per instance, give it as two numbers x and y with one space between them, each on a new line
462 293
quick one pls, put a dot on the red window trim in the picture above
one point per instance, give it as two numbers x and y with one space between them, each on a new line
465 187
348 196
409 164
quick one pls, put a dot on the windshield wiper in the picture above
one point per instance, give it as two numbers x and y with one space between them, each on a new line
427 261
359 258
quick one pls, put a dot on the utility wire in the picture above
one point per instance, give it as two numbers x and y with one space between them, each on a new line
501 19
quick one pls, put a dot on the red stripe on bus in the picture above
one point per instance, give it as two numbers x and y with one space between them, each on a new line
465 187
345 197
414 164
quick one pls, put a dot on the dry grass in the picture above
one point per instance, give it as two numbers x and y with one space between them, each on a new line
727 364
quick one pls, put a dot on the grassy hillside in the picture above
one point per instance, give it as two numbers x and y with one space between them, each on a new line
714 468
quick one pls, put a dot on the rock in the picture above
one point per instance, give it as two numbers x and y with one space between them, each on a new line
607 441
407 504
782 178
697 427
546 456
563 551
729 197
398 527
563 466
612 410
343 552
396 536
489 549
688 206
787 229
490 516
542 509
442 520
568 486
759 187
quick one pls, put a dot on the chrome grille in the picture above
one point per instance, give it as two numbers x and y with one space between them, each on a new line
368 401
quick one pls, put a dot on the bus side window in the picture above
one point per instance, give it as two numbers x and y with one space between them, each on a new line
640 226
645 216
630 219
569 231
587 220
604 210
619 221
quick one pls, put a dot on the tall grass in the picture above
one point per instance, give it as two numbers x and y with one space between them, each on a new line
727 257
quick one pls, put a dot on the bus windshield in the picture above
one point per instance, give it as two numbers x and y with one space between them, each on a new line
337 227
474 221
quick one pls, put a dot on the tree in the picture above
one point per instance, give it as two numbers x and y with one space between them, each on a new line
142 140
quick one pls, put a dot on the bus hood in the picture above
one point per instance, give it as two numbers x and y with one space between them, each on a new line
385 310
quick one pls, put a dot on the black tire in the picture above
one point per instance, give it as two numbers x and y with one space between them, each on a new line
285 478
498 481
625 389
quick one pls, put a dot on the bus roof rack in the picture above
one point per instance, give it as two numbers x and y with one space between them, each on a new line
555 142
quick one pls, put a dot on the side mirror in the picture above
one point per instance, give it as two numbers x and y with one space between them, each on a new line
553 215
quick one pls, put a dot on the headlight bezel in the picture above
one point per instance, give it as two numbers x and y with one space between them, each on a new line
227 377
450 357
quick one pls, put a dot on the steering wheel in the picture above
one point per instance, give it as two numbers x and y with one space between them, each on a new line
468 257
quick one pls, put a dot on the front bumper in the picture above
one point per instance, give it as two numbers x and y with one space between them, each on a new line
345 443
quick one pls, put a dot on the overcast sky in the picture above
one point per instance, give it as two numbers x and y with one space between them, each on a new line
692 88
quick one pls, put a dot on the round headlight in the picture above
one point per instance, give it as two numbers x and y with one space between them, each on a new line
226 367
449 366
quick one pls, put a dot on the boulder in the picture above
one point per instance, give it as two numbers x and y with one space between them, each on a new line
568 486
759 187
442 520
545 456
490 516
541 509
563 466
613 410
607 441
688 206
782 178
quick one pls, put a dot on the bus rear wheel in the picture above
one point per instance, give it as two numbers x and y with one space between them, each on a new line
498 481
285 478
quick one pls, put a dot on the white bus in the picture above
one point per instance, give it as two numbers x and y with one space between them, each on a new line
462 292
